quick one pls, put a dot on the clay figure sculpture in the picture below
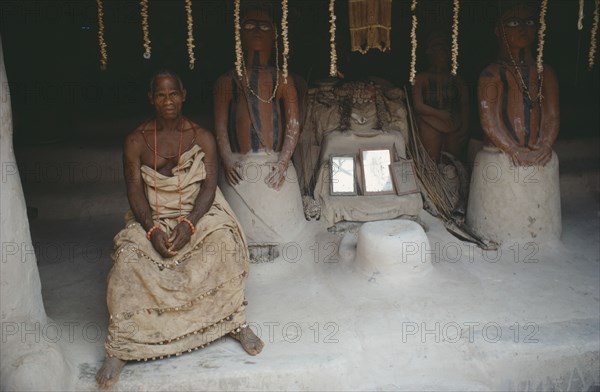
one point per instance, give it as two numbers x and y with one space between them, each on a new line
248 116
518 105
441 102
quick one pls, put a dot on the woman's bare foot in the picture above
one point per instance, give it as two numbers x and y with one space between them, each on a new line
250 342
109 373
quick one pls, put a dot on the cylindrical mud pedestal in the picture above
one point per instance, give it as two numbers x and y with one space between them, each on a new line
392 249
509 204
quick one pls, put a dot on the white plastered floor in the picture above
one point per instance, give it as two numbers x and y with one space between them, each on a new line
525 319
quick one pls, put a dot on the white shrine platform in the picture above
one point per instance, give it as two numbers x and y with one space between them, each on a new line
523 318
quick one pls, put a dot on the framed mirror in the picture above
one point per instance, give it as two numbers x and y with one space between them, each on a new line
342 169
376 175
404 177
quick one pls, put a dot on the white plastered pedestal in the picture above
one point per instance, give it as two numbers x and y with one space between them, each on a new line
509 204
390 250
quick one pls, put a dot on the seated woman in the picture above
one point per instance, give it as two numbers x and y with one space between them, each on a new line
180 264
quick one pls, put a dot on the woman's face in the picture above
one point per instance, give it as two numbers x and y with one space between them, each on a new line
168 97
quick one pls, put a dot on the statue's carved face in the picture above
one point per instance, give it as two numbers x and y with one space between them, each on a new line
258 31
438 51
519 24
168 97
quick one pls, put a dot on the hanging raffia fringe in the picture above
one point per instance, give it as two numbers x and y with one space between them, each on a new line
239 55
413 43
580 18
333 71
455 37
370 24
285 38
541 37
145 28
190 28
594 35
101 41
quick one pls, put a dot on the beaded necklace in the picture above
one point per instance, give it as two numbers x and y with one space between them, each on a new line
181 218
167 156
272 97
540 76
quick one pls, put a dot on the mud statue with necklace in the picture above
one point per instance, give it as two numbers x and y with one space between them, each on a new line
518 107
259 111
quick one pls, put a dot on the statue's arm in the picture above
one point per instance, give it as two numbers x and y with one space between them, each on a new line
292 125
550 109
489 95
440 120
132 152
222 99
276 177
542 149
206 195
419 102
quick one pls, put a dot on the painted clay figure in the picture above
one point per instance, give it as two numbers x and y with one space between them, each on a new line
441 102
518 105
248 115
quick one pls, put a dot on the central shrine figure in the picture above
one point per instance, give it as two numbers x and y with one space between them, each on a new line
248 115
257 125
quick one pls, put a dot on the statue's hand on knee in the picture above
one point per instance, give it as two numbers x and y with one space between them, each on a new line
541 154
276 176
536 156
520 156
233 171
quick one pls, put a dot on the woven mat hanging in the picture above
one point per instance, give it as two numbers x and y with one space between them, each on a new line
370 24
